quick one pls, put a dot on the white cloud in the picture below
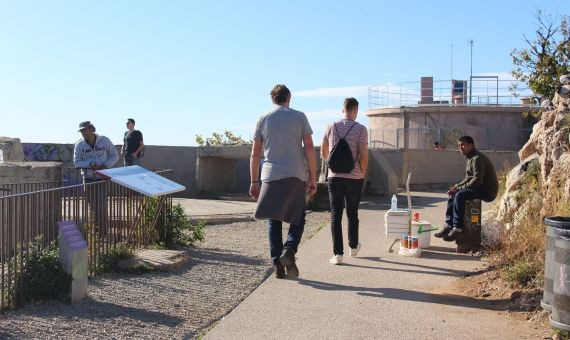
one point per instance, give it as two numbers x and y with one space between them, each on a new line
329 114
350 91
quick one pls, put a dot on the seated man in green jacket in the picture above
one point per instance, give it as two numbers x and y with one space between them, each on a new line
479 183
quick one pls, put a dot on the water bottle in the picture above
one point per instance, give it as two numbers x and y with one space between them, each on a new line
394 203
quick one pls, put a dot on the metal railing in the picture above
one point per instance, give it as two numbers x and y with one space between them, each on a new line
497 139
20 188
482 92
106 213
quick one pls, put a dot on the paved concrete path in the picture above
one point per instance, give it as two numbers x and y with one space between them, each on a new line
377 295
217 211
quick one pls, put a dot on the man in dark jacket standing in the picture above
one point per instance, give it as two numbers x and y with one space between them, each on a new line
479 183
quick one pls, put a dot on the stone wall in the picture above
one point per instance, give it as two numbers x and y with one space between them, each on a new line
215 171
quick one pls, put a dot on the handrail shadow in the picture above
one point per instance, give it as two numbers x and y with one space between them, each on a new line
108 310
408 295
440 273
441 270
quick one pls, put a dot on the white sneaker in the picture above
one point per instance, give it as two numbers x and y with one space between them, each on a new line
336 259
354 251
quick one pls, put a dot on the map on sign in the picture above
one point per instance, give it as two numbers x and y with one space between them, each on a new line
141 180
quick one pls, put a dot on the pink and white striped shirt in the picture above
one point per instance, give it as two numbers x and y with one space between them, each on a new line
356 139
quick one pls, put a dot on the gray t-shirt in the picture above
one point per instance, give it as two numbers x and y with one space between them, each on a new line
282 130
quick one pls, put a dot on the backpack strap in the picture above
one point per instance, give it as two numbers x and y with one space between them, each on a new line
346 134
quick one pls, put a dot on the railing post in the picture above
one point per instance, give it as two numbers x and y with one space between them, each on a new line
397 138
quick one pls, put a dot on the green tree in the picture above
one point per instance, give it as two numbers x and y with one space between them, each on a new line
228 138
546 58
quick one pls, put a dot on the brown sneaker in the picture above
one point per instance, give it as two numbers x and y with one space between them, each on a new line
279 271
288 260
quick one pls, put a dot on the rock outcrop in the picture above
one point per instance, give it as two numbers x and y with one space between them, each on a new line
548 147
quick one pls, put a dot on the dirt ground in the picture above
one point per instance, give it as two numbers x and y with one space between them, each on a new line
518 303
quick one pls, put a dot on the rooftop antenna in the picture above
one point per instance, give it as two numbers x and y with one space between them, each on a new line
451 77
470 42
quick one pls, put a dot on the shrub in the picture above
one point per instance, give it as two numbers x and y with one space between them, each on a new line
523 273
108 261
44 276
178 231
561 334
226 139
520 253
38 275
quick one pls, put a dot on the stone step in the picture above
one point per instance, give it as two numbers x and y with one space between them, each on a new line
155 259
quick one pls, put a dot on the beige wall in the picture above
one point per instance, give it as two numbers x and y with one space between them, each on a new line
389 168
495 128
30 172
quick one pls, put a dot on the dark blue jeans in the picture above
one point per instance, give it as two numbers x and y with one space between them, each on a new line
341 191
131 160
96 196
276 245
456 205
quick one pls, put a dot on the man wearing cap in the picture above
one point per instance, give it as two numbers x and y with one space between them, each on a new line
94 152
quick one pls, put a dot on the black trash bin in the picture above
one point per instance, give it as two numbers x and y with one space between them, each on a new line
551 224
560 317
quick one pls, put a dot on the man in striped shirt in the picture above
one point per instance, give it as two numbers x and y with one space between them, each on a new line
346 187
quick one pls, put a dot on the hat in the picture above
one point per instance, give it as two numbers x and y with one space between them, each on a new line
85 124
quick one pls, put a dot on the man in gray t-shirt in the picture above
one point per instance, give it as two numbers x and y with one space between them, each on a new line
282 130
284 135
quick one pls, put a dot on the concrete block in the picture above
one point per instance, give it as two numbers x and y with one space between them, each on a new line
29 172
73 257
11 150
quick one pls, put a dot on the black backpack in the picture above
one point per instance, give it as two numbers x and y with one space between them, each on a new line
340 158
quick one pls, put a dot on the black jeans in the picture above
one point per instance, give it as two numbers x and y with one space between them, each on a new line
131 160
456 205
341 191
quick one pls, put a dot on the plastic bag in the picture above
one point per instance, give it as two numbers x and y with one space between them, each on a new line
416 252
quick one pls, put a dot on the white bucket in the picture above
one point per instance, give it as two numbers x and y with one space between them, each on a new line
422 229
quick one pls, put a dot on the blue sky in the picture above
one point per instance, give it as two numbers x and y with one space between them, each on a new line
182 68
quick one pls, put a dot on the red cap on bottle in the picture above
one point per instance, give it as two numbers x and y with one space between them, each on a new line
416 216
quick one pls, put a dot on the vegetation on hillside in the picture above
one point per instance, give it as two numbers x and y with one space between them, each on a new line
520 252
546 57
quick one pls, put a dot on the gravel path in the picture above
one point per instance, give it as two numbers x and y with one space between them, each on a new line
223 271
